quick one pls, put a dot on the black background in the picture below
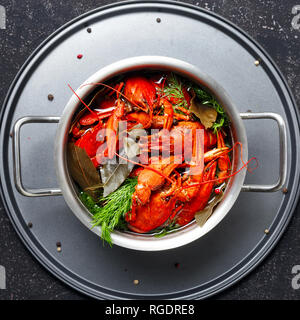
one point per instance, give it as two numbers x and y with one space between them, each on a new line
29 22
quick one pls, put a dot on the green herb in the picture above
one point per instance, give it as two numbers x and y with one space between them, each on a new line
169 228
206 98
174 90
110 211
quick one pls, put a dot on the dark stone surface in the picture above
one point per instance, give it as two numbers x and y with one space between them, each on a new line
29 22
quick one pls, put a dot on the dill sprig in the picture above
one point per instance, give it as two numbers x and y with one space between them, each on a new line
170 227
173 89
206 98
110 211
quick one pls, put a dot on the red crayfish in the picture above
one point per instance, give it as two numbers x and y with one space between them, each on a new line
162 192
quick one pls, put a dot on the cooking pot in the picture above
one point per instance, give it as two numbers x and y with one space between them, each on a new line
189 232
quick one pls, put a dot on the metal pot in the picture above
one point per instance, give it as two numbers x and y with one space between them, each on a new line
190 232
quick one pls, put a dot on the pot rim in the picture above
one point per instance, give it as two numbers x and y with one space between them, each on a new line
184 235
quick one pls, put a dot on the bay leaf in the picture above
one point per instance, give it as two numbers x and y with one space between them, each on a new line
83 171
114 174
202 216
207 115
131 148
137 132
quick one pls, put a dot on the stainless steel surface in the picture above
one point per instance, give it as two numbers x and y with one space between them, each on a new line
17 158
224 255
282 152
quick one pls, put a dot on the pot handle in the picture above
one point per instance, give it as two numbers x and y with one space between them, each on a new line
282 152
17 158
